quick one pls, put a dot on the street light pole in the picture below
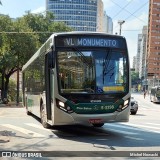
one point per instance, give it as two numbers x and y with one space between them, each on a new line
120 22
18 81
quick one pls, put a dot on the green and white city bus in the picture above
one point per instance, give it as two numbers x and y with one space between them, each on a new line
78 78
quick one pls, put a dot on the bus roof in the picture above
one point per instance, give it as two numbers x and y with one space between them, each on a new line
85 33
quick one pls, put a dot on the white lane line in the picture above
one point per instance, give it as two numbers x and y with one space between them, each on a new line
36 126
121 126
40 127
25 131
140 125
153 124
131 126
123 132
145 129
134 138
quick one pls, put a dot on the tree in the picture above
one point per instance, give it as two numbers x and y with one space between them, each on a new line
15 48
6 25
21 38
44 25
134 77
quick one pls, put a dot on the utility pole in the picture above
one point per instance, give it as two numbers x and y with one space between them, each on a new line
18 81
120 22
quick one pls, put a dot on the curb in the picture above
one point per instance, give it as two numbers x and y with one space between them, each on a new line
12 104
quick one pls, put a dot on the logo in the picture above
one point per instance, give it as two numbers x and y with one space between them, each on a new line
96 101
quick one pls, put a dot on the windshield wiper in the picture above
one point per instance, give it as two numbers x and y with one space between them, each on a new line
106 62
82 57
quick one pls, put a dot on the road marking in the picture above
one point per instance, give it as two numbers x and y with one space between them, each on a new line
140 125
123 132
134 138
154 124
40 127
25 131
145 129
131 125
122 126
36 126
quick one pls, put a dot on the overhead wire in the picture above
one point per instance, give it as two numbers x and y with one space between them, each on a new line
122 8
138 10
131 14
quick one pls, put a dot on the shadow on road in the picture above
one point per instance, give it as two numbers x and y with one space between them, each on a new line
123 136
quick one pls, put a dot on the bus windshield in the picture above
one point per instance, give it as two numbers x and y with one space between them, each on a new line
95 71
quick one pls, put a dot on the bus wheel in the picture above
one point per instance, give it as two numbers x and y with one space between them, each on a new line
98 125
133 113
28 113
44 118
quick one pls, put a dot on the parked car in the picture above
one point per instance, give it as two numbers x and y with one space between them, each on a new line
134 106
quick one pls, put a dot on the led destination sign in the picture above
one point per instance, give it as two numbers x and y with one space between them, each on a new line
89 42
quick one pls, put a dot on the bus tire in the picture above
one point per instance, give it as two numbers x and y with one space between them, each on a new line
98 125
28 113
133 113
44 118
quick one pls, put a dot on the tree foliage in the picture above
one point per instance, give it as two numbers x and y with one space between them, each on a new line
135 77
19 40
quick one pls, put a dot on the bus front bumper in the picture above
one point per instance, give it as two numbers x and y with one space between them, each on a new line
102 118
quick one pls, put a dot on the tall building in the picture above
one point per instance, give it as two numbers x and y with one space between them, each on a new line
138 52
107 24
134 62
81 15
153 43
142 60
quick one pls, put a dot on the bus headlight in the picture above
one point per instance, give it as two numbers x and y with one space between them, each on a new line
126 102
61 105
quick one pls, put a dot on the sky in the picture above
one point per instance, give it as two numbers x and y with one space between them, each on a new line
133 12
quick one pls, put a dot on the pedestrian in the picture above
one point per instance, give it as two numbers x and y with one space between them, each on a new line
145 92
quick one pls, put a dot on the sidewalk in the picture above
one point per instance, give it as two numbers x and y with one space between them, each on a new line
11 105
4 134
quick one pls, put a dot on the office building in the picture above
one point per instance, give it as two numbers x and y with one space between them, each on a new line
81 15
107 24
142 57
138 53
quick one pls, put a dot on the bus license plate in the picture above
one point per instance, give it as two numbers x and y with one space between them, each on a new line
93 121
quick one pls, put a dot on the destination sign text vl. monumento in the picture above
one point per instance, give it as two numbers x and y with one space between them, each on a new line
91 42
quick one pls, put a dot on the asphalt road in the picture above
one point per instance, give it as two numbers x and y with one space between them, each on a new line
19 132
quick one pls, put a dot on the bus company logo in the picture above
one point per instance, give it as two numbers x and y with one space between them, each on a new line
95 108
95 101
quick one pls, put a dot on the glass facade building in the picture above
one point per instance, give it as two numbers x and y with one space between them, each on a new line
81 15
